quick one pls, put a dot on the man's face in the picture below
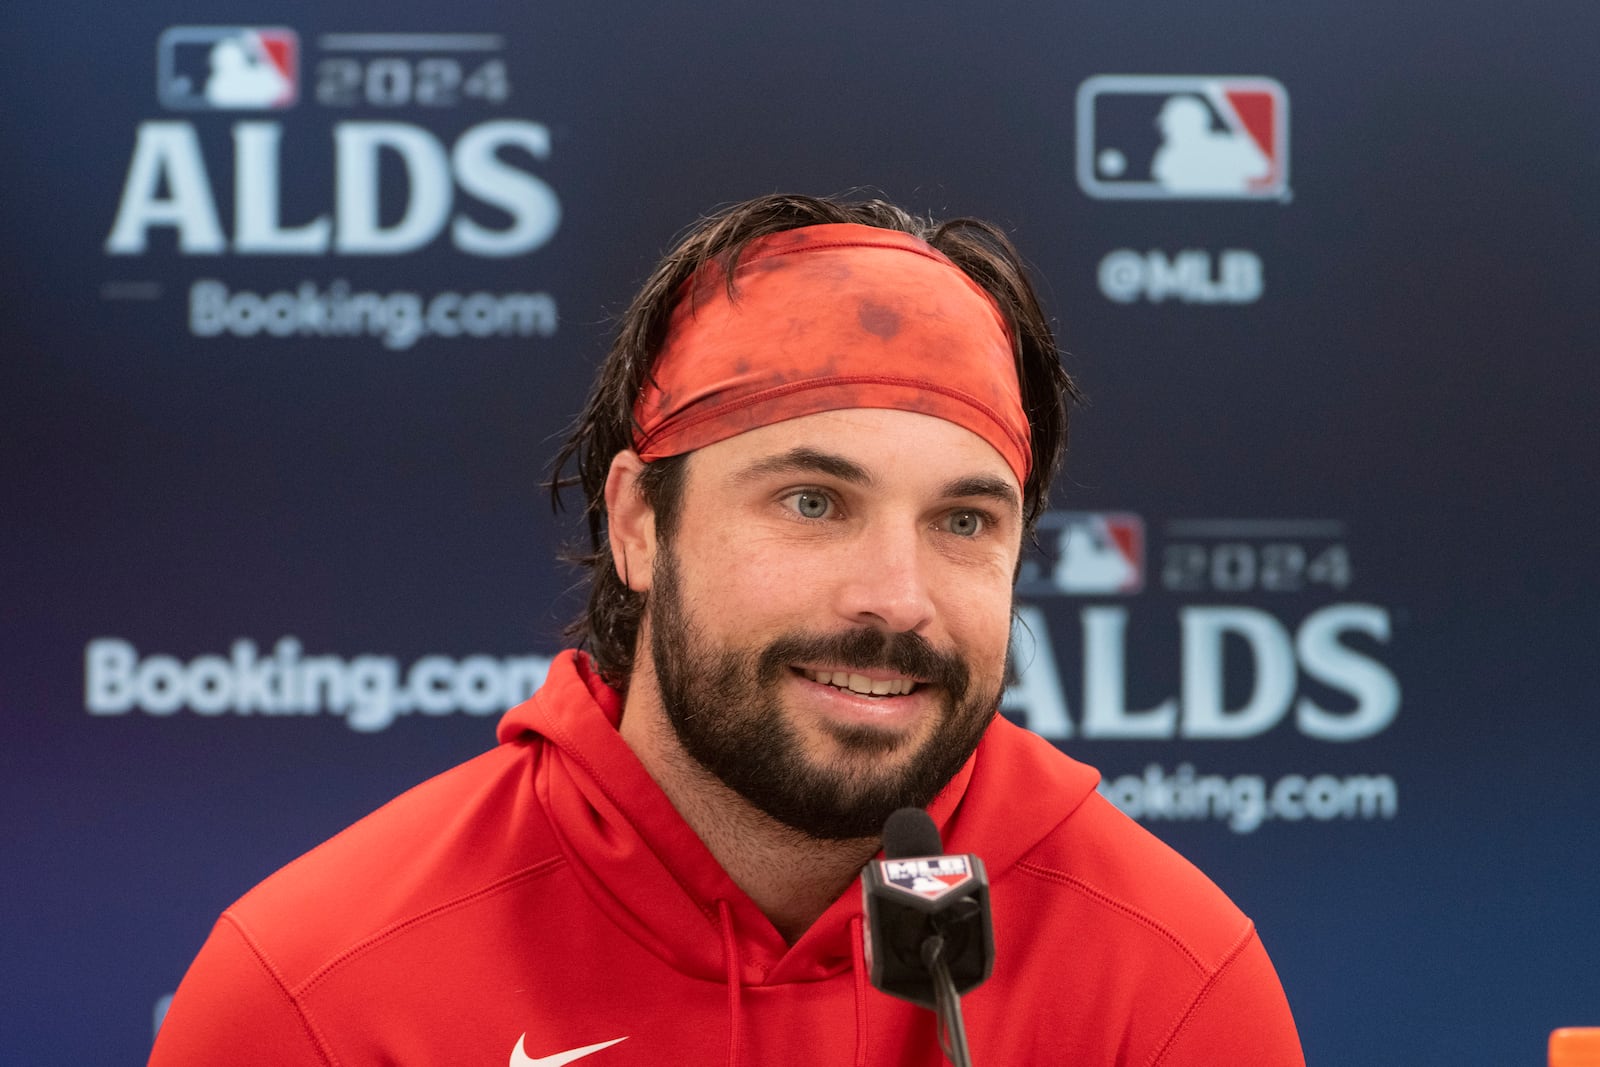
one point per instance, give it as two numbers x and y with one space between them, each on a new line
828 623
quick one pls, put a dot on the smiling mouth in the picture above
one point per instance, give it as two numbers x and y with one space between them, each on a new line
860 683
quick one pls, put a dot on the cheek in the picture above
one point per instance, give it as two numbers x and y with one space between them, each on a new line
738 581
978 616
990 637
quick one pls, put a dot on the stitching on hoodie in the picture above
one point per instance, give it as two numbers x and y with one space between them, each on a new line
730 949
277 979
450 905
1112 902
1205 991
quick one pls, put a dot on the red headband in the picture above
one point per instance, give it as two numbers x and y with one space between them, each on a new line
829 317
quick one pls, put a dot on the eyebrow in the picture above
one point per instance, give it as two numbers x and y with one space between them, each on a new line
994 489
806 461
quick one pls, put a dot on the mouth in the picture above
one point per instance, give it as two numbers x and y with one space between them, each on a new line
860 684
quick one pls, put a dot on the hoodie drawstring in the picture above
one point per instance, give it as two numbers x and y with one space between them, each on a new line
730 952
859 965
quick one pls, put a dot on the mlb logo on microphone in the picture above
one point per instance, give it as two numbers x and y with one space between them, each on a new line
1190 137
228 68
929 878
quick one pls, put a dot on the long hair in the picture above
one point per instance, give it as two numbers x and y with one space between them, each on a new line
609 627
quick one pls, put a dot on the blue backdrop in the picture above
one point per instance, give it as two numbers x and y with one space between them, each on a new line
299 297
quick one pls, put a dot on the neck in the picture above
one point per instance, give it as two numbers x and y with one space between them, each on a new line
760 854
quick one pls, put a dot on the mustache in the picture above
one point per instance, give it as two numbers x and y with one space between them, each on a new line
864 649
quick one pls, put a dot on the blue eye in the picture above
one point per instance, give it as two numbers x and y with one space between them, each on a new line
966 524
810 504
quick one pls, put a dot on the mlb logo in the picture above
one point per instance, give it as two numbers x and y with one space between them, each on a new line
929 879
1086 553
1149 137
228 68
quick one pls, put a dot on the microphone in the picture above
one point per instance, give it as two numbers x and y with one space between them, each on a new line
910 832
929 935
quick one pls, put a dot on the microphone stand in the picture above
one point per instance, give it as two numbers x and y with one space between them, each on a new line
952 1030
928 935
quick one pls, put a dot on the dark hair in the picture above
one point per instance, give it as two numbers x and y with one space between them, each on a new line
610 626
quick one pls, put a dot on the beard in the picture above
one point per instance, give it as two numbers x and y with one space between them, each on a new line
724 707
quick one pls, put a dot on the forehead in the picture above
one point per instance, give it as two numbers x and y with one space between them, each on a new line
882 447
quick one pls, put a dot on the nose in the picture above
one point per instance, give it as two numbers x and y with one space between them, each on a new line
884 580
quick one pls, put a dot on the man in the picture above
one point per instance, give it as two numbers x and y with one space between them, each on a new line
809 465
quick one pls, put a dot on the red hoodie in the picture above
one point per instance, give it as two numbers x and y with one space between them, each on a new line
544 904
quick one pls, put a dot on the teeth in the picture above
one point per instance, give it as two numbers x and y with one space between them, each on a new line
860 683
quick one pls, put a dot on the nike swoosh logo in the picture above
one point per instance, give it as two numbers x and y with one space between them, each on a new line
520 1057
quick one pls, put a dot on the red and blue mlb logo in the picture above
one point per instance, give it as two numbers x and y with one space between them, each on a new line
228 68
1085 553
930 878
1189 137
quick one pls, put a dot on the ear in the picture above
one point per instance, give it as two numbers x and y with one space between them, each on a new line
630 522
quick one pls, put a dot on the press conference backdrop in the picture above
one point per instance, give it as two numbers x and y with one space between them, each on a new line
299 298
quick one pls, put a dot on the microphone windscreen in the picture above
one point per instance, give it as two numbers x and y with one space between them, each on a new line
910 832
